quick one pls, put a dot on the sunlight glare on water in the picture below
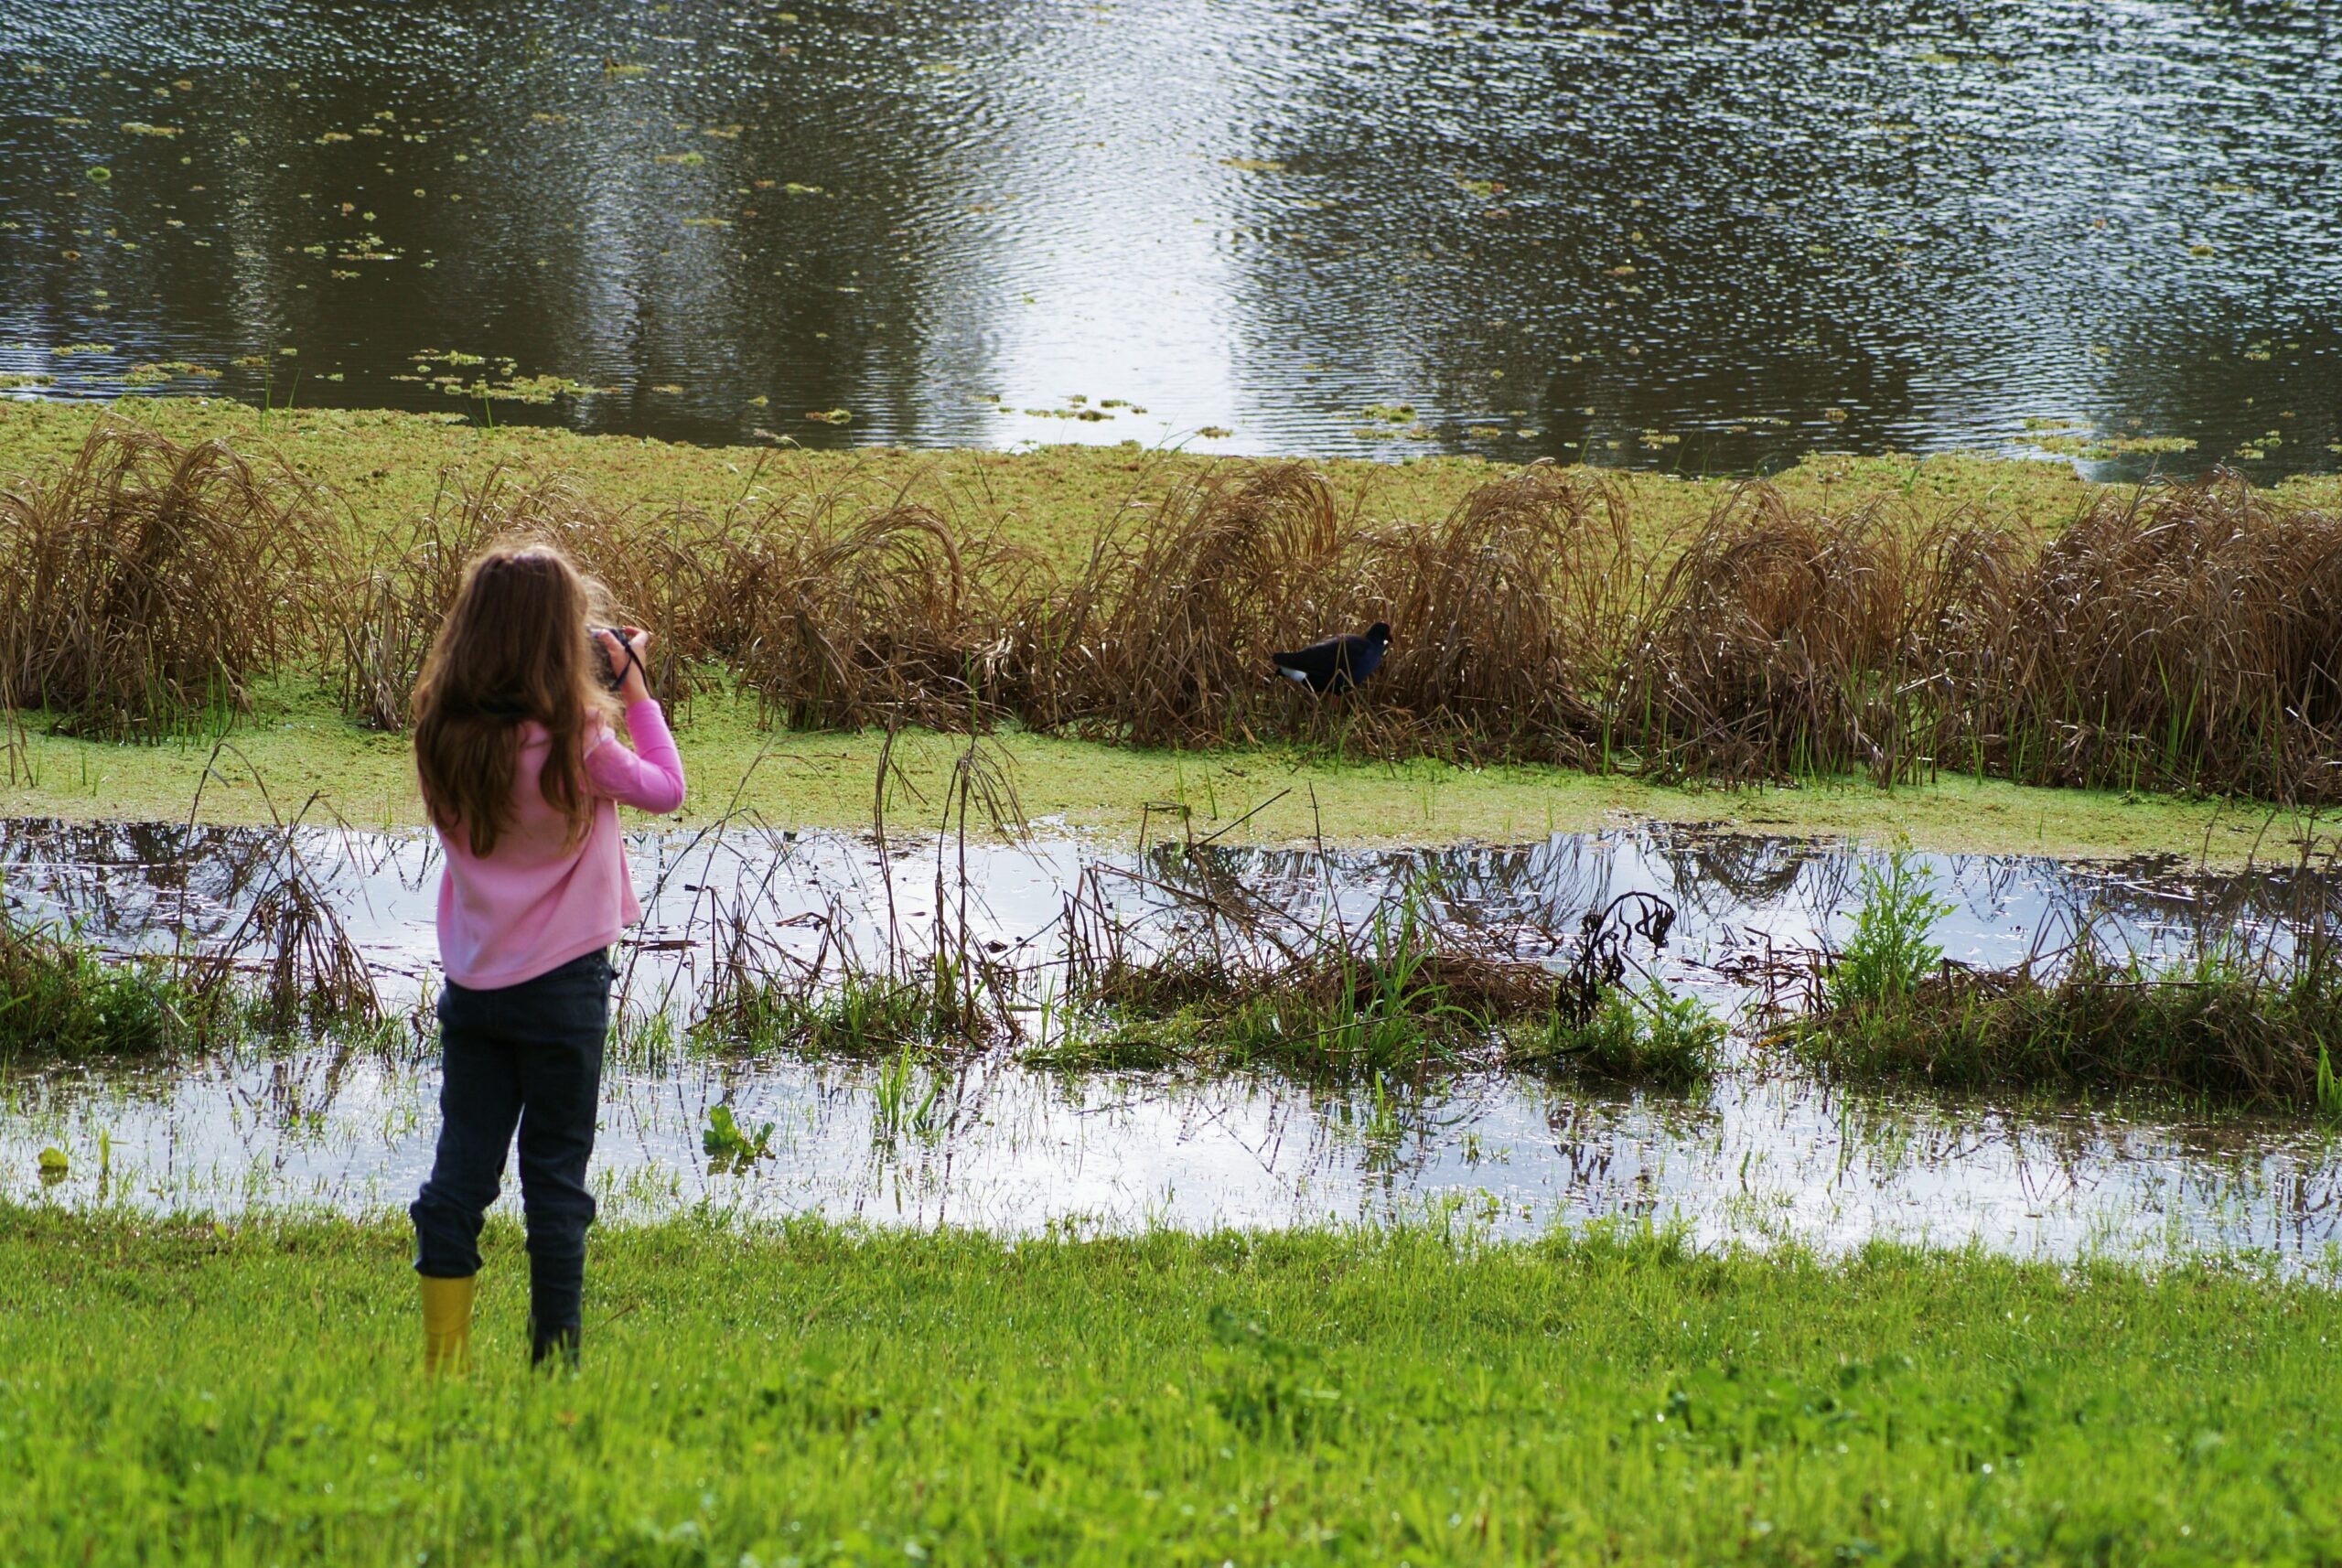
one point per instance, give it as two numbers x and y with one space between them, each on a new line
1706 238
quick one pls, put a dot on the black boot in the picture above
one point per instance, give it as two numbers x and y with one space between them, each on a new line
556 1288
558 1346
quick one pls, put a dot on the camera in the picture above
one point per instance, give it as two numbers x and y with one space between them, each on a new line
612 676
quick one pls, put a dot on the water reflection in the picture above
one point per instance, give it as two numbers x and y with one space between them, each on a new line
153 886
1705 238
1766 1160
1767 1155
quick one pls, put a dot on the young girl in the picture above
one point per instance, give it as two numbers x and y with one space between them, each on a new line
522 778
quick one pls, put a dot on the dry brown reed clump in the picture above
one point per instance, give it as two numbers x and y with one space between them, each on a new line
1165 639
894 618
1508 613
679 572
831 619
388 605
144 586
1503 613
2185 637
1784 640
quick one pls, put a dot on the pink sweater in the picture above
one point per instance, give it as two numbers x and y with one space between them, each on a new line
536 903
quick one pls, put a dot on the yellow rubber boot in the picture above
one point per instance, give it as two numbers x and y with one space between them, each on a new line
446 1325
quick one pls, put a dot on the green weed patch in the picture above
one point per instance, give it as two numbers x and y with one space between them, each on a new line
2241 1022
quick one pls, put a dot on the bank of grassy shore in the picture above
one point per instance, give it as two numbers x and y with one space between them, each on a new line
294 746
245 1393
383 468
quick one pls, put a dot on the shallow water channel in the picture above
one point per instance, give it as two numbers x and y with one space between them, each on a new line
1764 1156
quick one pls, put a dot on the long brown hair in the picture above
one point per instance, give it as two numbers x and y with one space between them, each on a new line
515 647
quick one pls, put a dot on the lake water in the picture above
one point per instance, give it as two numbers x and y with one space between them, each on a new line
1767 1154
1709 237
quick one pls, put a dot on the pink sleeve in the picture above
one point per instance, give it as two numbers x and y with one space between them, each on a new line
650 776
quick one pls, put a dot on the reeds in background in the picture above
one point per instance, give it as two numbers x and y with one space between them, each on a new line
388 602
2183 636
146 585
1164 638
2188 636
831 618
1784 640
1507 613
895 617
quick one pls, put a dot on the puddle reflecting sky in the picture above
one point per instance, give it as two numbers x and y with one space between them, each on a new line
1767 1155
1702 237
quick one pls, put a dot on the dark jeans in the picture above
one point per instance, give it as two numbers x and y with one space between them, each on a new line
527 1055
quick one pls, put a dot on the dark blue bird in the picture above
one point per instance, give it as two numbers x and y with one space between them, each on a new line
1334 666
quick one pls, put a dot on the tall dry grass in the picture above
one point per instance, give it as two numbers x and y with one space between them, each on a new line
2179 637
1506 613
888 619
144 585
1164 638
2183 636
1786 641
389 600
830 619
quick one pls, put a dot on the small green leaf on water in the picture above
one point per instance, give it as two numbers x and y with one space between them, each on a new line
830 415
727 1144
53 1164
101 174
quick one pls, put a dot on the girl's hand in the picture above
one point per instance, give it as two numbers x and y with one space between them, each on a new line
630 654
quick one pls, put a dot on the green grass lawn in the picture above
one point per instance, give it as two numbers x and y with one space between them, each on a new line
181 1391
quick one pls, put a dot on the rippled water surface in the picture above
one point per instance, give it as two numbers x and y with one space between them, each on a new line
1699 235
1765 1155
